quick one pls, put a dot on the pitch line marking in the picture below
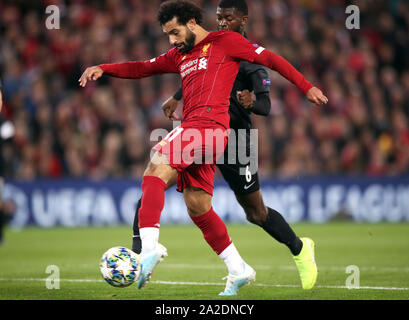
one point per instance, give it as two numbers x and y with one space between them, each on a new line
184 283
289 267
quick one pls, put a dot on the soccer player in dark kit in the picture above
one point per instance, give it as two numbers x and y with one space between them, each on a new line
208 63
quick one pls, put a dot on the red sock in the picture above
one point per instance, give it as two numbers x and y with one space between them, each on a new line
153 201
214 230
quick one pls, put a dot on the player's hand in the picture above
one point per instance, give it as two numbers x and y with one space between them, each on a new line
90 74
316 96
245 98
169 107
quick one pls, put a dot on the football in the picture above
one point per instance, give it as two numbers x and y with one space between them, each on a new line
120 266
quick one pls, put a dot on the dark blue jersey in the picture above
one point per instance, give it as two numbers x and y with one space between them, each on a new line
251 77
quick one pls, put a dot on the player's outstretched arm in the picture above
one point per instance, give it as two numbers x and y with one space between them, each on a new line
239 47
283 67
127 70
316 96
90 74
132 69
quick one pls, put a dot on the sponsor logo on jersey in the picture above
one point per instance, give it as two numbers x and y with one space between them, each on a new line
246 187
202 64
266 82
193 65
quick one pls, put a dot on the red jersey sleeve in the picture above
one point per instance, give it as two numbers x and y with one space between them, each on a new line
166 63
240 48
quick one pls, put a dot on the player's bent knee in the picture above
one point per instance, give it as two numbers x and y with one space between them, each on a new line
253 206
196 207
197 201
252 217
152 170
256 215
162 171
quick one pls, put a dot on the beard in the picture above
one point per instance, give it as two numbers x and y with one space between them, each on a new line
188 44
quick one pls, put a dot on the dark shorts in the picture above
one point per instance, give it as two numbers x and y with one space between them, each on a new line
237 182
238 175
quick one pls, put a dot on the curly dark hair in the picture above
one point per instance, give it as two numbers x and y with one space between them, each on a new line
182 10
239 5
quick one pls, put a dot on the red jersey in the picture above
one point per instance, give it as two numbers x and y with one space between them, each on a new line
208 72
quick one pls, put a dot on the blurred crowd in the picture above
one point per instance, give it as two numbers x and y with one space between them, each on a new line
103 131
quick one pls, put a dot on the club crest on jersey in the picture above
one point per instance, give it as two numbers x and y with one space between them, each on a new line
205 49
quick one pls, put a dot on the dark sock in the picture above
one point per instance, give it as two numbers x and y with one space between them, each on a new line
136 239
279 229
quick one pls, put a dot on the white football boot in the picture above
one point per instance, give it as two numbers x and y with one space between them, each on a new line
149 262
235 282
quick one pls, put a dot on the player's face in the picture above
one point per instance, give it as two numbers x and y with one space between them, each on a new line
230 19
180 35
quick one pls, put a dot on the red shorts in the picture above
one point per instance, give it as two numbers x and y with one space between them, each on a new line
192 149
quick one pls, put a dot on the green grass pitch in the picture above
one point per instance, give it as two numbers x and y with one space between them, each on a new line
193 272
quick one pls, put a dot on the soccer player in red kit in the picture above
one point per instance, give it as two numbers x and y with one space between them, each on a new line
208 63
